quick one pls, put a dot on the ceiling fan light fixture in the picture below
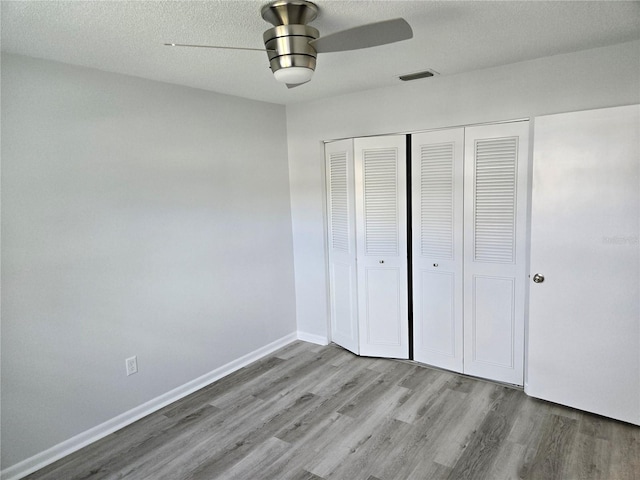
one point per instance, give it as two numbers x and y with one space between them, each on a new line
291 57
293 75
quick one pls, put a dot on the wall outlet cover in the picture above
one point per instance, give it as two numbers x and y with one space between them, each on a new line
132 365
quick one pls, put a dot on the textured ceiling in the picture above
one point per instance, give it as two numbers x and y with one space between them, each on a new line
449 37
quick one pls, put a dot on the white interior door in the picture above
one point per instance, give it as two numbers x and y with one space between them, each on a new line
496 164
437 247
381 213
584 333
342 244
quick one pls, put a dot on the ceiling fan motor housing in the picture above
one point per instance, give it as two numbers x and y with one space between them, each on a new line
288 46
287 43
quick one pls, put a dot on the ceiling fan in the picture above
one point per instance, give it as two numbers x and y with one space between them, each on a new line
292 45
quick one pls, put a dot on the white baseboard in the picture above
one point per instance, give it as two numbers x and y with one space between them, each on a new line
40 460
311 338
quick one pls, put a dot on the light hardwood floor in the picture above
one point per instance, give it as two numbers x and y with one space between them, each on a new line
310 412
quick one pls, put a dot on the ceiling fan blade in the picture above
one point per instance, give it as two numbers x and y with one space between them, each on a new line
294 85
364 36
216 46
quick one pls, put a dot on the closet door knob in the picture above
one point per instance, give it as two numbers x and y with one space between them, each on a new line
537 278
380 261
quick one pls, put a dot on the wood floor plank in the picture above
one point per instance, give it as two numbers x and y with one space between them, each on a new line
185 452
367 421
281 378
624 442
532 414
507 462
581 457
295 349
370 456
251 466
86 463
309 412
315 451
332 383
418 404
436 427
302 475
471 414
300 372
483 445
144 459
420 377
135 459
208 460
312 420
209 394
555 445
366 401
430 471
317 430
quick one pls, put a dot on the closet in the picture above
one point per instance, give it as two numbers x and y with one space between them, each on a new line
470 242
468 222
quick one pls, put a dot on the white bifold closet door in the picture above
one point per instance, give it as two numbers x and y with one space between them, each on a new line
437 247
381 226
495 237
469 204
343 287
367 237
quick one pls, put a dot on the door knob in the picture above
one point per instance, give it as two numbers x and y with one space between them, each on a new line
381 261
537 278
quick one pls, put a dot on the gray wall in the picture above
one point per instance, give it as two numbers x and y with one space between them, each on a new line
138 218
583 80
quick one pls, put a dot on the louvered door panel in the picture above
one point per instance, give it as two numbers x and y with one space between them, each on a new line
342 244
436 173
380 171
338 201
496 166
380 201
495 199
437 206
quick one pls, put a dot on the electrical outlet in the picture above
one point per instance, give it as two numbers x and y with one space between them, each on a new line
132 365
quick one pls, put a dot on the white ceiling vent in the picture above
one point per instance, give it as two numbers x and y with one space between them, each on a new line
417 75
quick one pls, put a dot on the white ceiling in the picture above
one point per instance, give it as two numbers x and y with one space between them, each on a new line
449 37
